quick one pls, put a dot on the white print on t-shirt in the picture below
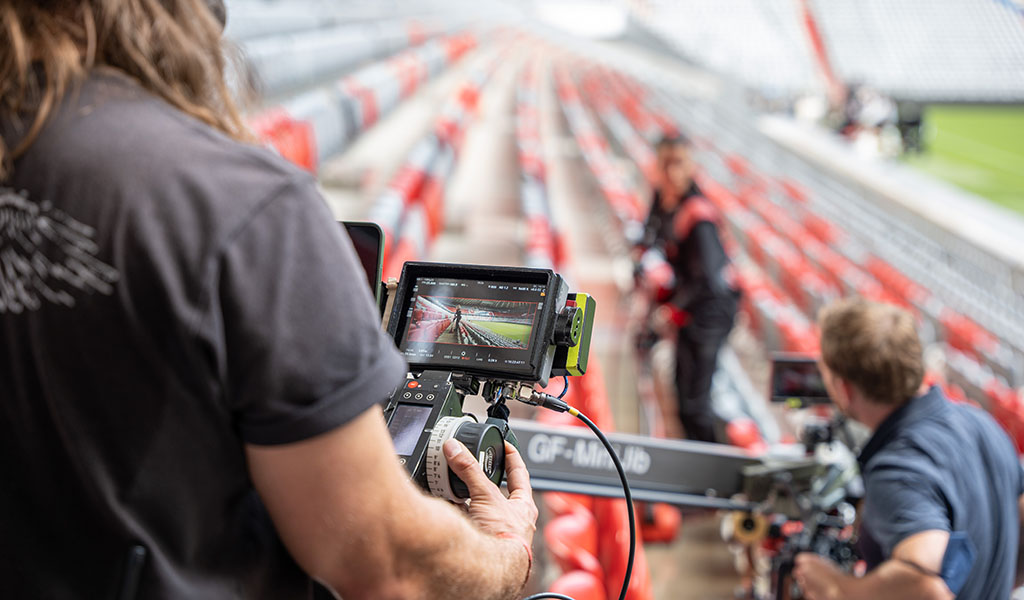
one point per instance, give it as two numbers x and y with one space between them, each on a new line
46 256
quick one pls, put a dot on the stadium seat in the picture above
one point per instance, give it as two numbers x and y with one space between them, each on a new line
572 541
562 503
744 433
613 550
579 585
659 523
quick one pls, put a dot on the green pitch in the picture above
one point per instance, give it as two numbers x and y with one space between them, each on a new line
513 331
978 148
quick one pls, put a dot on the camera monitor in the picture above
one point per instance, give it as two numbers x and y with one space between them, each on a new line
489 321
797 381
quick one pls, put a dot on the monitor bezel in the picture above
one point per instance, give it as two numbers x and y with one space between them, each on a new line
540 341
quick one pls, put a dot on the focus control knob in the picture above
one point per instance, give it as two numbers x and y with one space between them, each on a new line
568 327
484 442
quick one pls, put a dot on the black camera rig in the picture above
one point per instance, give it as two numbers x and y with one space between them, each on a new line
498 331
468 330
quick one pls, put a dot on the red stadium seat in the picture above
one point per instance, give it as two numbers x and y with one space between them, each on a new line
965 335
579 585
744 433
659 523
593 398
1007 407
572 541
561 503
613 550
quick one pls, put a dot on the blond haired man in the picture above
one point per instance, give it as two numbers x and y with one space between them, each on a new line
943 484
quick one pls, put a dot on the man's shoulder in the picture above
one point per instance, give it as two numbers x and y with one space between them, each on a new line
694 211
922 444
120 136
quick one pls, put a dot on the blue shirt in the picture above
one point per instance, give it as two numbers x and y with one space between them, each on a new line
934 464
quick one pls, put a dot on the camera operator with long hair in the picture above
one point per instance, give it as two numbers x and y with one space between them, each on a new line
941 513
190 364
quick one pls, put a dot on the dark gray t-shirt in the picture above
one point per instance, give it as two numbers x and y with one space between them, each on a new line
937 465
166 296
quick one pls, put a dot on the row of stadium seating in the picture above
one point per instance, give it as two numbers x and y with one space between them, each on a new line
250 20
969 51
283 64
311 126
411 208
794 260
965 298
543 246
759 42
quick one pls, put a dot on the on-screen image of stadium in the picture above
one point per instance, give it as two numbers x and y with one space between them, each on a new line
472 322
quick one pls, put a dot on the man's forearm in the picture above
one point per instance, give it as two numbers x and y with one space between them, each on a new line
477 564
896 580
445 555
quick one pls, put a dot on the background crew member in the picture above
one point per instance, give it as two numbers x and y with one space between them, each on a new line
682 224
941 515
190 362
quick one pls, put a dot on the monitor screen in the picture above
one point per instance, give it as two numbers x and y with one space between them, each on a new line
471 323
798 381
406 425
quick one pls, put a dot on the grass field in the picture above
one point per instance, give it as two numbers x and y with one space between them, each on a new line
513 331
978 148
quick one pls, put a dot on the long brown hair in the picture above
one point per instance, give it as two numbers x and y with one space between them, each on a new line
173 48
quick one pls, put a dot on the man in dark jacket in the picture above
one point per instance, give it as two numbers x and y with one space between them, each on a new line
683 226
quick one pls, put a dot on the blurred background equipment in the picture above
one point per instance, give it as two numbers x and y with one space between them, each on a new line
871 147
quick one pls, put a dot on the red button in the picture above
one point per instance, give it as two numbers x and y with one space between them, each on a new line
413 384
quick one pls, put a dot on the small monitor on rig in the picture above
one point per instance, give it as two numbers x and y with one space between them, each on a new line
489 321
797 381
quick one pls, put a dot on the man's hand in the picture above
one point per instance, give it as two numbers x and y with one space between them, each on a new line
488 508
354 520
668 319
818 577
910 573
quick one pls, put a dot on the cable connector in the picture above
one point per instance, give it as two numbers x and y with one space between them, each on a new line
546 400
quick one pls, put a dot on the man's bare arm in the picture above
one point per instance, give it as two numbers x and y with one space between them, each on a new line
353 519
911 572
